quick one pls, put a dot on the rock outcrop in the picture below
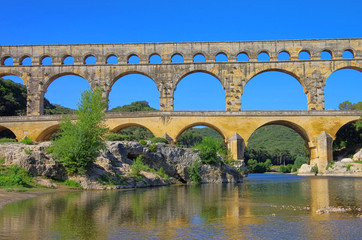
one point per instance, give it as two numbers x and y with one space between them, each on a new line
112 169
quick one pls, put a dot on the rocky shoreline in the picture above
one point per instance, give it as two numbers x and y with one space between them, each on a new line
347 167
112 169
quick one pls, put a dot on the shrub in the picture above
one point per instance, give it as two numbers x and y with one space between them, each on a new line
7 140
153 147
28 151
159 140
72 183
163 174
15 176
194 171
208 150
255 167
348 167
267 165
286 169
27 141
79 143
116 137
143 142
299 161
138 166
330 165
315 169
2 161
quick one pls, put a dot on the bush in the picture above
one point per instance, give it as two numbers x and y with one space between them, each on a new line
315 169
116 137
163 174
143 142
28 151
2 161
330 165
138 166
159 140
27 141
79 143
153 147
72 183
261 167
15 176
299 161
267 165
194 172
286 169
208 150
7 140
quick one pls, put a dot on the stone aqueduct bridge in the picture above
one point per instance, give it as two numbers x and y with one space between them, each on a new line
316 126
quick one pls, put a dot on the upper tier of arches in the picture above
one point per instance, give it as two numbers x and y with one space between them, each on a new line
164 53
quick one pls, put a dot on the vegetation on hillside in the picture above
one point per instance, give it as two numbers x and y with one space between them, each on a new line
138 106
349 137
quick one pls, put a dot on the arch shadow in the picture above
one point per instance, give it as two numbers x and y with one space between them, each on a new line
47 133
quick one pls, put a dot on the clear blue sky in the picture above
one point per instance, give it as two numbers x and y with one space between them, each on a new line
67 22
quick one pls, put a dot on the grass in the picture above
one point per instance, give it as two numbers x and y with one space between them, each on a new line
72 184
15 176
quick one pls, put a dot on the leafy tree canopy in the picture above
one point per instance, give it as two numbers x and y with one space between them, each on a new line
347 105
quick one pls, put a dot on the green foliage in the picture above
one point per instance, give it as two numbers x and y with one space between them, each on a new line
299 161
159 140
136 133
358 161
12 98
347 105
194 171
7 140
330 165
286 169
116 137
134 107
153 147
258 167
163 174
348 167
15 176
143 142
27 141
79 143
2 161
314 169
208 149
278 143
28 151
348 139
72 183
138 166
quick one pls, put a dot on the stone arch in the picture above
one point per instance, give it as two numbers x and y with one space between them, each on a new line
89 56
153 57
281 53
67 56
333 131
221 54
303 51
206 124
56 76
326 51
127 125
115 79
175 55
242 55
3 128
21 60
133 55
13 72
47 133
261 53
286 71
199 54
41 59
349 50
183 75
108 56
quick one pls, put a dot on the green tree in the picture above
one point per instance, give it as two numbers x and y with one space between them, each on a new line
138 106
12 98
79 143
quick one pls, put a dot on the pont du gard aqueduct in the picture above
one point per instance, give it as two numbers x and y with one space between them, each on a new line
316 125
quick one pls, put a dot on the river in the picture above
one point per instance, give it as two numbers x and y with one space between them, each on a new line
264 206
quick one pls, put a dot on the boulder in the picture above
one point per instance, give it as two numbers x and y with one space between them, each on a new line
347 160
305 170
358 155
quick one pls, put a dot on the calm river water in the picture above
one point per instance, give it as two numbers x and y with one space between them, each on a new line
264 206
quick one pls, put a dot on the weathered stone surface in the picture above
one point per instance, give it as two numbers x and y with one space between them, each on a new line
358 155
347 160
305 170
112 170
